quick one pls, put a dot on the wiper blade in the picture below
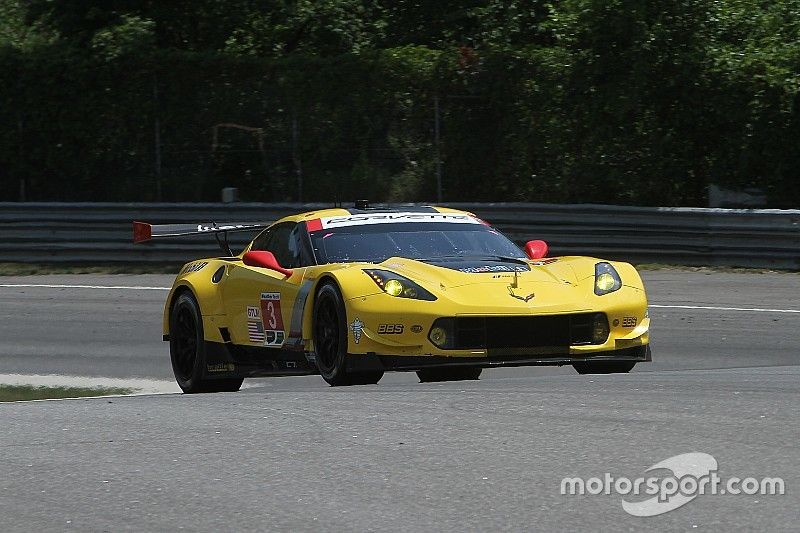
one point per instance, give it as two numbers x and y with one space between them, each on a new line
505 258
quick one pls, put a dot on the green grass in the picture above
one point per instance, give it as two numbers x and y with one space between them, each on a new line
15 393
36 269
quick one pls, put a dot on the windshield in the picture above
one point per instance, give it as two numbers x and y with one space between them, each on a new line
376 243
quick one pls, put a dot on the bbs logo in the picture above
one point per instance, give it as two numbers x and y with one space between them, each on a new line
390 329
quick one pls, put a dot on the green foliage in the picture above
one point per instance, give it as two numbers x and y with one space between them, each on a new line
617 101
133 35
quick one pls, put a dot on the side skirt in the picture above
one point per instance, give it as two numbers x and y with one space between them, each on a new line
227 360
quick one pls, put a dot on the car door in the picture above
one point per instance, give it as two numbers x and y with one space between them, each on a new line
261 303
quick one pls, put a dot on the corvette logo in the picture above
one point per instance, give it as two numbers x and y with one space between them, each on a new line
518 297
515 285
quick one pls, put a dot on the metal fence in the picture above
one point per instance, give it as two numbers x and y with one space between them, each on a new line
101 232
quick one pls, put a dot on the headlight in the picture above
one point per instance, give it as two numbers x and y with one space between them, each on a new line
397 285
606 279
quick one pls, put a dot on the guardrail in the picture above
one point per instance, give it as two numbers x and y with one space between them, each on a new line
101 232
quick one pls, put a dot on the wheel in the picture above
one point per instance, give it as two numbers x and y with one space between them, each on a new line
187 350
434 375
598 367
330 340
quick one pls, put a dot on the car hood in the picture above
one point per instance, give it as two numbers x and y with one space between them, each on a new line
476 285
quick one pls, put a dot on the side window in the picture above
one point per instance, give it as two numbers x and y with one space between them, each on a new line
282 241
260 242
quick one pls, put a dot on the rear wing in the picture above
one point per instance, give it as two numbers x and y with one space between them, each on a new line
144 232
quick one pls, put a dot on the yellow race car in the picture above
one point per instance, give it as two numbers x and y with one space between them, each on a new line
352 293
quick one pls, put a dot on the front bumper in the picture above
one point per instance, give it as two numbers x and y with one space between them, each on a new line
385 325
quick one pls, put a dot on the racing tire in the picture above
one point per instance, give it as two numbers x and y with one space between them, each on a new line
596 367
330 340
187 350
436 375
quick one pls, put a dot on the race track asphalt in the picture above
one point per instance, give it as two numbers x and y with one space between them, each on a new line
293 454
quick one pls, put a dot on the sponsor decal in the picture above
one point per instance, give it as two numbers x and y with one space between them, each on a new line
221 367
275 338
253 313
390 329
488 268
390 218
357 327
416 328
272 319
194 267
628 321
203 228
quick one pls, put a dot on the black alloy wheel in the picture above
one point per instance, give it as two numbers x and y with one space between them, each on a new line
187 349
330 340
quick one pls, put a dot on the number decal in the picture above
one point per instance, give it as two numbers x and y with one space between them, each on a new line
272 319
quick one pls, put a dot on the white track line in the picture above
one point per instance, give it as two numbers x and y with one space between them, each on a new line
140 288
715 308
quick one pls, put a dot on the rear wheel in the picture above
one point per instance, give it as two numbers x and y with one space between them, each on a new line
187 349
330 340
597 367
434 375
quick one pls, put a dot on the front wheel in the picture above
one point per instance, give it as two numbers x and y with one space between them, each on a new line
435 375
596 367
187 350
330 340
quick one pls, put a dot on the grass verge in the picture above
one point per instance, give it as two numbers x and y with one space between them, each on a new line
16 393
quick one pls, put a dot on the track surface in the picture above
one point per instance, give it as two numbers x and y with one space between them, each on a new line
291 453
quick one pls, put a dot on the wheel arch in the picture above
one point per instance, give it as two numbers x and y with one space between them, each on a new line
179 289
308 319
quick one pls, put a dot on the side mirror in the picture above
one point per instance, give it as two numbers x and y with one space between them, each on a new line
264 259
536 249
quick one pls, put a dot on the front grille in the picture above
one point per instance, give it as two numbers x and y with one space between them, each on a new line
500 332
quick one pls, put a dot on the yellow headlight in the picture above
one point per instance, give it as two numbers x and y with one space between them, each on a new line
393 287
604 282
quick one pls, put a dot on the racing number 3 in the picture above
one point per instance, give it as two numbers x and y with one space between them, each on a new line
271 311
